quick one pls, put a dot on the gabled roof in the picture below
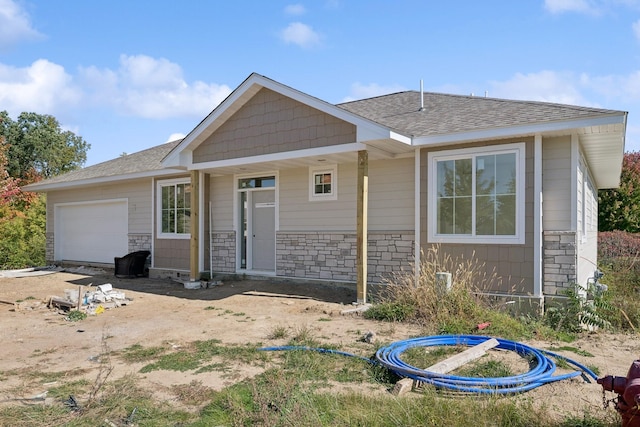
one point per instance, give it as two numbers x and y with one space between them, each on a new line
142 164
394 124
366 129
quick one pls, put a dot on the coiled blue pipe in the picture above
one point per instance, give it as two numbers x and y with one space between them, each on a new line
541 372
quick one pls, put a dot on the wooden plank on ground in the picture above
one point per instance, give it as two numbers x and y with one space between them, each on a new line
406 384
457 360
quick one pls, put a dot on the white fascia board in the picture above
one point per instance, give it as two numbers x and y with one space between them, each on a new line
173 158
497 133
288 155
37 187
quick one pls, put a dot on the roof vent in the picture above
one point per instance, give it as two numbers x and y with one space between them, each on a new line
421 96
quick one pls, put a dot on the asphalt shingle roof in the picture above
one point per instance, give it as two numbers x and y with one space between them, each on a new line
446 114
443 114
142 161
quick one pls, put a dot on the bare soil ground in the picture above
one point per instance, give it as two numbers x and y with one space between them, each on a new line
164 313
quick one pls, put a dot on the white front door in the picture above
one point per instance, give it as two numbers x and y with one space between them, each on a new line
263 233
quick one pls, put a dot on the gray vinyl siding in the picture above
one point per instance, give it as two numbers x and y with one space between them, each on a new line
297 213
221 196
556 184
391 194
511 264
587 256
138 194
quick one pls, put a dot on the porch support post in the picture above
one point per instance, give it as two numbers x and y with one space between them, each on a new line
194 249
362 225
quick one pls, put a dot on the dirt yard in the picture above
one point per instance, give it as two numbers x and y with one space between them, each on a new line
164 313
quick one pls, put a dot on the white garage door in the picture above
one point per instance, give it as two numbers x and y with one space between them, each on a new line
91 232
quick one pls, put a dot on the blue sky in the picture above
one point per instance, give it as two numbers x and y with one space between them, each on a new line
127 75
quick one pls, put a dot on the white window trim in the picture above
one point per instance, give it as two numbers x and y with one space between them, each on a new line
159 185
333 170
520 150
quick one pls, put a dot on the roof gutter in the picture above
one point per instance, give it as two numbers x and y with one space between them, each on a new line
64 185
504 132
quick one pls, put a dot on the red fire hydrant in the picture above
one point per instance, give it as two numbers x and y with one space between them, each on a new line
628 390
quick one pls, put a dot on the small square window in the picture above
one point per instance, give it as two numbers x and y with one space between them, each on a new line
323 183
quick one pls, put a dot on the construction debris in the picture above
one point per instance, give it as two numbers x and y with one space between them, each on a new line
90 301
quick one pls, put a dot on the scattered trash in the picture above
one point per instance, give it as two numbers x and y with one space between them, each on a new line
72 404
369 337
481 326
131 416
41 396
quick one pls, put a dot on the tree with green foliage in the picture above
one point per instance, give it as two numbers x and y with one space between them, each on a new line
39 148
22 221
619 209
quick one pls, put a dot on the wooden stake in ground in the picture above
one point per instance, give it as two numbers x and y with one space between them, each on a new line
79 297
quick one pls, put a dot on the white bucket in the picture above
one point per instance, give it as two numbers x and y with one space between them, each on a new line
193 285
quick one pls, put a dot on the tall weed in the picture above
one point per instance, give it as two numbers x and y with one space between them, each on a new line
427 301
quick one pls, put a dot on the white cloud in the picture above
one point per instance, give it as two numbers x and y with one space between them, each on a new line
153 88
636 29
42 87
545 86
361 91
300 34
175 136
580 6
15 25
295 9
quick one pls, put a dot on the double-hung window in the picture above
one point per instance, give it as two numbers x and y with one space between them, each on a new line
174 208
477 195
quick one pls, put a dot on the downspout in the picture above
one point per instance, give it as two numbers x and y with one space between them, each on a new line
417 256
210 240
537 225
154 226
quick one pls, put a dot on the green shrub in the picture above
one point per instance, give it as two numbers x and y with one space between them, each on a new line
22 237
390 311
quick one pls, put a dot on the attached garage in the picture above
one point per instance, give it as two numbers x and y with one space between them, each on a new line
95 231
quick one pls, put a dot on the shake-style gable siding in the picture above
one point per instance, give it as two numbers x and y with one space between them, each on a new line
272 123
556 182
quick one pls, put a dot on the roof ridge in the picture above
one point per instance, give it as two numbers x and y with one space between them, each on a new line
488 98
